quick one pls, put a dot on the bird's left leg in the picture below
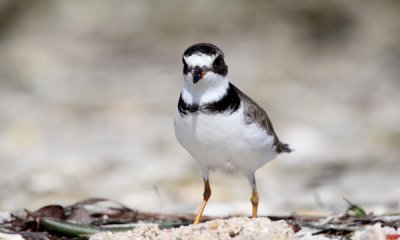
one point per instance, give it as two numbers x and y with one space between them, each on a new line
254 194
254 201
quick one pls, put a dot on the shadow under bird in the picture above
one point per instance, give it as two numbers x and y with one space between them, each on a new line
219 125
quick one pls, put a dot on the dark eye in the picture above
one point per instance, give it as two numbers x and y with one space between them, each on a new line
185 66
219 66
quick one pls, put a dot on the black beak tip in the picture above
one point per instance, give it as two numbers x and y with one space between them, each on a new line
195 79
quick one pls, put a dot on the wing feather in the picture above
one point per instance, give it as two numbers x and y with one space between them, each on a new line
255 114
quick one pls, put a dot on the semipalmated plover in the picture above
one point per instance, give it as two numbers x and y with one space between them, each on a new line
219 125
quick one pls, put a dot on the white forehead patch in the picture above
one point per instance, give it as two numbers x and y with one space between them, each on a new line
200 59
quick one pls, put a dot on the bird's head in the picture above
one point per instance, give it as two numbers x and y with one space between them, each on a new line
204 64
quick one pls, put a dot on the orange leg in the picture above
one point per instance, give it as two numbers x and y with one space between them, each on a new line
254 194
254 201
206 196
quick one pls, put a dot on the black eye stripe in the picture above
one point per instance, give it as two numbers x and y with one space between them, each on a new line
204 68
188 69
218 66
185 66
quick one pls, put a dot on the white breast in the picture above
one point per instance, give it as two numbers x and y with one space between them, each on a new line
224 140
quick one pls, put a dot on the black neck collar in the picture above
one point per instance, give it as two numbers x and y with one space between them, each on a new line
230 102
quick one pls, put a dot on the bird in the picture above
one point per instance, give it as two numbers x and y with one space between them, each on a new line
219 125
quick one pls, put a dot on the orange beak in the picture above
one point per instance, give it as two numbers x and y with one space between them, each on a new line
197 74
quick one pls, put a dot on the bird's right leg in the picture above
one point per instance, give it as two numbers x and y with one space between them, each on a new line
206 196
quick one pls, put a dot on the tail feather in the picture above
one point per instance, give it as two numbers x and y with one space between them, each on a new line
283 148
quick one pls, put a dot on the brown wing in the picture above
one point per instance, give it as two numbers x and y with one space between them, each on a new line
254 113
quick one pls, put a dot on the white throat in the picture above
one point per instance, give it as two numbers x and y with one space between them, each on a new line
212 87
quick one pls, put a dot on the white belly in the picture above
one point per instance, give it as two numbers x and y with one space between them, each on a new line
224 140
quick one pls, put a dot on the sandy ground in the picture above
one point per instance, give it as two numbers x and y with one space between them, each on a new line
87 97
240 229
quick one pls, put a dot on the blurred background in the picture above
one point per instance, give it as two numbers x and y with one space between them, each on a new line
88 90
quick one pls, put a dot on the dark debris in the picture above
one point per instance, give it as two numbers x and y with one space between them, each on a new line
96 214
